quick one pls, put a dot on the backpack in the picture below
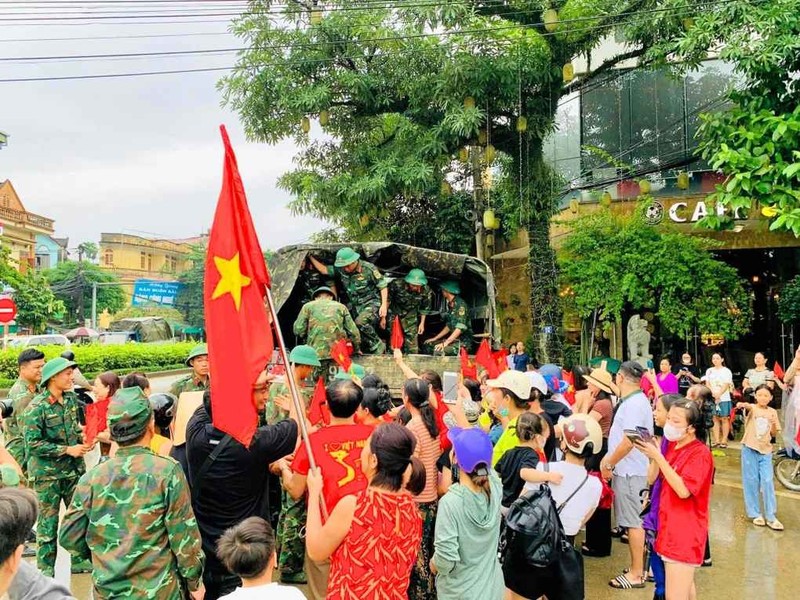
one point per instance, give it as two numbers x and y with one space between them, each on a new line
534 534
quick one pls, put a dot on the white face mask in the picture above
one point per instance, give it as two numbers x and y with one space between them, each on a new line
672 433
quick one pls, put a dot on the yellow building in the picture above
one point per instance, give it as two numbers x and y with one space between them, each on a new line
19 228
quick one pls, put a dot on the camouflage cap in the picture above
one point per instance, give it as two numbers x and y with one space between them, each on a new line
129 412
304 355
54 367
9 477
355 371
324 289
346 256
200 350
416 277
451 286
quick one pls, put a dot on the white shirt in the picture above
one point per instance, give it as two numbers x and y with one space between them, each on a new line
716 378
634 411
585 501
269 591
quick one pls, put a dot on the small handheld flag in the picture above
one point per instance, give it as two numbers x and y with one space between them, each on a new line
397 334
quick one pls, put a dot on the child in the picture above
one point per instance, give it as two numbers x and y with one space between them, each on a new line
248 550
761 424
532 430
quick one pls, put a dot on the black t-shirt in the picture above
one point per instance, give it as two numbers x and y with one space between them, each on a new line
508 467
684 383
235 485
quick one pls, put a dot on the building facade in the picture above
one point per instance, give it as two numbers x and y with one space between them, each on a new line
50 251
19 228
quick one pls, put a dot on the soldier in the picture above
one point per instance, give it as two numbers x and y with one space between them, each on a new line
457 323
367 295
133 514
30 363
55 450
311 280
323 322
291 545
410 300
197 380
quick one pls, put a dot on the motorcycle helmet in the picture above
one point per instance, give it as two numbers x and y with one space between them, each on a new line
163 409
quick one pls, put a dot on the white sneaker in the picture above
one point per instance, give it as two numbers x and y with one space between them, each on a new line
760 521
775 525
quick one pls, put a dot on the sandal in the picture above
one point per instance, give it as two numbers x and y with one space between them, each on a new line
591 553
623 583
723 446
617 532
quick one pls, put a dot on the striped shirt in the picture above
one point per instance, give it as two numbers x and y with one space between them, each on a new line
428 451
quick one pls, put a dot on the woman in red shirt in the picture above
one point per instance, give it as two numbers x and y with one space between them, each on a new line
373 537
687 468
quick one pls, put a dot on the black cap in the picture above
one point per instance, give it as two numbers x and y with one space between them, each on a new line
633 368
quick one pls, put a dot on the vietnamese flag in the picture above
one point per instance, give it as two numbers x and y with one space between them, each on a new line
397 334
778 371
340 353
237 320
485 358
318 412
500 359
468 368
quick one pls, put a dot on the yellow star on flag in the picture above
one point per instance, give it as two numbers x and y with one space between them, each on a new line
231 279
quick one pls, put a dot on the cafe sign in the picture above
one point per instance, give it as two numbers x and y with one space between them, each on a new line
686 212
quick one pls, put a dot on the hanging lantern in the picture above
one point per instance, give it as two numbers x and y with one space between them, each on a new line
496 223
522 124
683 180
688 23
769 211
644 186
550 19
568 72
574 206
489 154
324 117
463 154
305 124
316 16
605 199
488 218
446 188
469 102
482 137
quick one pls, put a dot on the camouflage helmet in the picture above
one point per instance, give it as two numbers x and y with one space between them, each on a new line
451 286
304 355
199 350
323 289
416 277
129 412
54 367
346 256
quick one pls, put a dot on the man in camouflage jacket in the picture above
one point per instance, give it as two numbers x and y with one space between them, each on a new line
197 380
133 515
457 331
20 395
55 448
411 300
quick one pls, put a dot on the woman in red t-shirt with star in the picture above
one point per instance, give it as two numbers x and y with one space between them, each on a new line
687 468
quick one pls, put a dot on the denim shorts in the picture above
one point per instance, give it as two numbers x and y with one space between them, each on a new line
723 409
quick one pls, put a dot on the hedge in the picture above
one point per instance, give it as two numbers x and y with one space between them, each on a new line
96 358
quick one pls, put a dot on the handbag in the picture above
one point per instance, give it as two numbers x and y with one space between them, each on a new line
606 494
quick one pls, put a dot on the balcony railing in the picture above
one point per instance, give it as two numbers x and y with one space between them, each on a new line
26 218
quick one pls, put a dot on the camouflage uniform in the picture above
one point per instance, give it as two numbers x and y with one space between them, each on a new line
20 396
188 384
49 427
322 323
133 516
362 288
409 306
310 281
456 317
291 523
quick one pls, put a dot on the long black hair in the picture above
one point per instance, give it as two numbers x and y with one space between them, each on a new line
418 393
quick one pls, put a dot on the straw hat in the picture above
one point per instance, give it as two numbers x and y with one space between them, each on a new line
602 379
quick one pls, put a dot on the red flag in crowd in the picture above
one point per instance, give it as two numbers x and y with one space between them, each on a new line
468 368
569 377
778 371
500 359
485 359
340 352
397 334
237 321
318 411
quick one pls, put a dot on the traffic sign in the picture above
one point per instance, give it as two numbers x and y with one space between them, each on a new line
8 310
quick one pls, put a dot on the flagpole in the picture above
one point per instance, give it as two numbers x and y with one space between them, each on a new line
294 392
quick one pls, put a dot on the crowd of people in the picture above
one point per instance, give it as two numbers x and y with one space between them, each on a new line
479 497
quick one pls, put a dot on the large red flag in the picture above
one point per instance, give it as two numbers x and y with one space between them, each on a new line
397 334
237 321
468 368
485 359
318 412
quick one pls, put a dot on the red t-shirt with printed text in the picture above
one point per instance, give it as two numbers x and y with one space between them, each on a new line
337 450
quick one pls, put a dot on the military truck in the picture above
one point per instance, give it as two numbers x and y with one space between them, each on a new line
293 282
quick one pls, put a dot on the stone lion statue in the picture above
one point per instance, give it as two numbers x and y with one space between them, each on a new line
638 341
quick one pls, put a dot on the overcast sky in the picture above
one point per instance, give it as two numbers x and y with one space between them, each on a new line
138 154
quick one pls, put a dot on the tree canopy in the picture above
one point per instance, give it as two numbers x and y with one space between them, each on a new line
71 282
36 304
614 264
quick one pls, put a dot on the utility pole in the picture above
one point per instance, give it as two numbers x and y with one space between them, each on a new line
94 305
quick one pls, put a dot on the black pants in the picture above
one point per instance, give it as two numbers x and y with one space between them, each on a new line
598 528
219 584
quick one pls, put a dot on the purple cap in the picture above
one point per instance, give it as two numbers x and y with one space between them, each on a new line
472 447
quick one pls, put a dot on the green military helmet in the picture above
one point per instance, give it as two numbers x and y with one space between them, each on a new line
304 355
9 477
54 367
356 370
416 277
346 256
323 290
199 350
451 286
129 412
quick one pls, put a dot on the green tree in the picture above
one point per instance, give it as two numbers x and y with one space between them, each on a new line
412 96
756 143
88 250
614 264
71 282
36 304
789 302
190 297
